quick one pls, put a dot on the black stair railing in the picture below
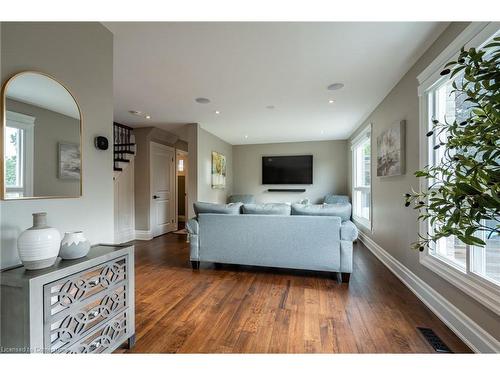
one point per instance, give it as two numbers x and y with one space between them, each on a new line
122 144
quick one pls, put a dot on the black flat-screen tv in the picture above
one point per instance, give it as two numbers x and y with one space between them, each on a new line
287 170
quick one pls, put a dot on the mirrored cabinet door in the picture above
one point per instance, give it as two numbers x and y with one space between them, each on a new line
41 139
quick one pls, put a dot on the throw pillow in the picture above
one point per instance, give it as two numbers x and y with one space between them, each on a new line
215 208
335 199
267 209
342 210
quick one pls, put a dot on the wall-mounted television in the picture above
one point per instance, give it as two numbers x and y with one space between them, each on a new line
287 170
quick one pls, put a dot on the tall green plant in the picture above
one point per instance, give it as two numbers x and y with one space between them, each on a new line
463 197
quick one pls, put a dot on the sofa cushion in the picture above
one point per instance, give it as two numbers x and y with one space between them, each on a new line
335 199
348 231
267 209
216 208
241 198
342 210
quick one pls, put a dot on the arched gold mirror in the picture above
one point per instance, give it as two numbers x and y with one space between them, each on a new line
41 139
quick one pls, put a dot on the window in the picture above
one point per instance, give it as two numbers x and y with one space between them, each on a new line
486 260
474 270
361 173
14 160
18 155
444 105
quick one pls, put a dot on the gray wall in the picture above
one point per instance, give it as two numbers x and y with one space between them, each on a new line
207 142
141 177
80 55
394 226
50 129
329 170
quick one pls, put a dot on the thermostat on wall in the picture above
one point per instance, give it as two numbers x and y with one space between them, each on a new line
101 143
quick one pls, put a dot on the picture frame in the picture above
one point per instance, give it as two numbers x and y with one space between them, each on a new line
69 161
391 151
218 170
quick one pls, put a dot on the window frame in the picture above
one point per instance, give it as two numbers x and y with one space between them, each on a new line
27 124
481 289
360 138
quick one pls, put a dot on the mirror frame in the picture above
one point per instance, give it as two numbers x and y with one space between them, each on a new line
3 125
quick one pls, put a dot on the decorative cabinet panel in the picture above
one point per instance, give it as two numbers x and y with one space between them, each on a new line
80 306
104 338
63 330
68 292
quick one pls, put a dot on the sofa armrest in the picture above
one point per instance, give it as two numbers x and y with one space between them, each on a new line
192 226
348 231
193 229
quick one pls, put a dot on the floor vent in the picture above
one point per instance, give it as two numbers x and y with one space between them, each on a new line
434 340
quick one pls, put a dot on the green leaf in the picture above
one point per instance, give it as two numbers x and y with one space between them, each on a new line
471 240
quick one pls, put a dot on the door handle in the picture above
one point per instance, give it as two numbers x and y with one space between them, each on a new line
156 196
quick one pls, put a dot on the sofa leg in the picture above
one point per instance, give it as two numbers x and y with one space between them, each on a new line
195 264
345 277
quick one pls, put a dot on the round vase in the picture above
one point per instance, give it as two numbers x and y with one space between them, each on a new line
38 246
74 245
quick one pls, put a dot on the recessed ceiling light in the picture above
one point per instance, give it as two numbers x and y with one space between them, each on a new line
331 101
246 136
202 100
217 112
335 86
270 106
148 117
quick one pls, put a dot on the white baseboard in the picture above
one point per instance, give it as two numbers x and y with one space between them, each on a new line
143 235
464 327
125 236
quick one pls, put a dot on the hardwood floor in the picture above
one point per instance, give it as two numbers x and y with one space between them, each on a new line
236 309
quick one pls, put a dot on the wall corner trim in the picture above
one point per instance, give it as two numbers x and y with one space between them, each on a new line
143 235
464 327
474 33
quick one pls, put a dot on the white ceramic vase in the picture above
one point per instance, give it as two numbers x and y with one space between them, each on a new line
38 246
74 245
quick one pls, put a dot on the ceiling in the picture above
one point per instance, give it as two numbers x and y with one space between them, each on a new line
42 91
160 68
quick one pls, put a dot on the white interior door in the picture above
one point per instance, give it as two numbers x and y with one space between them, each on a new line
162 172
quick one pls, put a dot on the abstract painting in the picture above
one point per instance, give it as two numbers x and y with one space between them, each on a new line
218 171
390 151
69 161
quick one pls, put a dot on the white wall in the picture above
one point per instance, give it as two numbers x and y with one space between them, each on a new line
124 206
394 226
80 55
329 170
207 142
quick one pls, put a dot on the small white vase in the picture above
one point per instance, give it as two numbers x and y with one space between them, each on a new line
74 245
38 246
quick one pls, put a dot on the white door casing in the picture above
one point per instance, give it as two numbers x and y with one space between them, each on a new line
162 192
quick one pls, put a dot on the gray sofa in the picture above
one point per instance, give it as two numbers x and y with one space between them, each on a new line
297 241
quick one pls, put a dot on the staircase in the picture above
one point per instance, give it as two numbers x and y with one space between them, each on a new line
123 148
